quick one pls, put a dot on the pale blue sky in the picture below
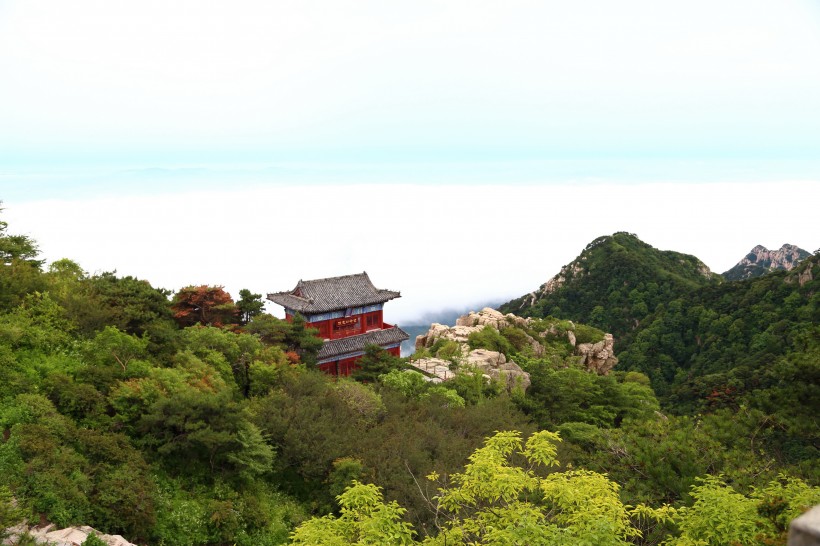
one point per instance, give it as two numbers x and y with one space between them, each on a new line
154 83
694 124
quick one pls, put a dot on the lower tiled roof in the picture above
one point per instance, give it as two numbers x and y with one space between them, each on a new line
352 344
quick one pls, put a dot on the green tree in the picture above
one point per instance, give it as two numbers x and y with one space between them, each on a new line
17 247
375 362
10 514
302 340
20 271
136 308
494 501
249 305
364 519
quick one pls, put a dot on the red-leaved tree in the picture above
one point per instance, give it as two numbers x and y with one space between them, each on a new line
207 305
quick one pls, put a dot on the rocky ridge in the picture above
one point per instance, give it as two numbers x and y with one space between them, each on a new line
760 260
597 357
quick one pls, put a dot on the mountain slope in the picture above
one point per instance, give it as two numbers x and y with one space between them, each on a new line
614 284
750 346
760 260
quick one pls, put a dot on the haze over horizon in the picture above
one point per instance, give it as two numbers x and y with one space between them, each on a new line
460 153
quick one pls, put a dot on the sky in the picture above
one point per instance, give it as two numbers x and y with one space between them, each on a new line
460 152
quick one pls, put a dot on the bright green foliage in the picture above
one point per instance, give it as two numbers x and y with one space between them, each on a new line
497 502
408 382
720 515
502 498
446 397
38 322
571 394
266 371
364 519
447 349
412 385
471 385
494 501
94 540
491 339
363 404
9 514
229 353
111 356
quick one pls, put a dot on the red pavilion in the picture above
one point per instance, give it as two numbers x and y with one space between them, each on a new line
347 311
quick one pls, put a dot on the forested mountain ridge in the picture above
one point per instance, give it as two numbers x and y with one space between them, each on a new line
614 284
752 343
760 260
188 418
706 346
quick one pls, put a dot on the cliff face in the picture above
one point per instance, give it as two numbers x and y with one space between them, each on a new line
761 260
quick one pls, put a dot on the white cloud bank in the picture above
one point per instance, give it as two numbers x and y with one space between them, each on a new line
448 246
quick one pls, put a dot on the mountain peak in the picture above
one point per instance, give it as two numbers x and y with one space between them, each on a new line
760 260
613 284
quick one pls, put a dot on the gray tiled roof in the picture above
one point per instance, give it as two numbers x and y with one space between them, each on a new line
322 295
353 344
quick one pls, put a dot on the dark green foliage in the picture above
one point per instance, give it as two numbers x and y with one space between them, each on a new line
303 340
563 395
271 330
112 416
315 424
375 362
249 305
136 307
615 283
491 339
291 336
705 345
742 344
72 474
17 247
20 271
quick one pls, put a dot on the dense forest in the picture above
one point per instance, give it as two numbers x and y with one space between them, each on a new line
709 347
191 418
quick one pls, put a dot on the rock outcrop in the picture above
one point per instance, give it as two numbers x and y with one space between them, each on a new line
496 366
761 260
492 364
70 536
596 357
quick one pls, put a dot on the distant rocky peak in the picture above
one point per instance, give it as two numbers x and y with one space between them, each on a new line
761 260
